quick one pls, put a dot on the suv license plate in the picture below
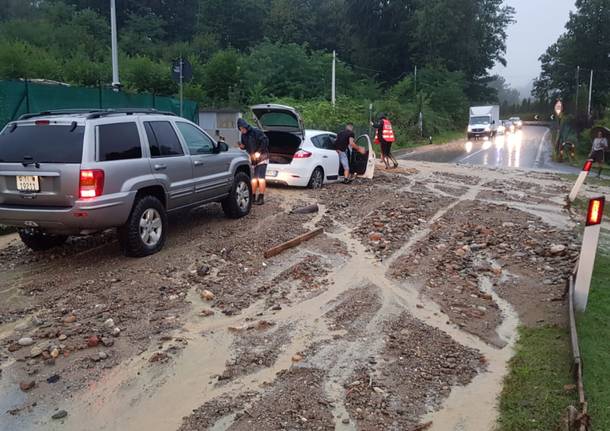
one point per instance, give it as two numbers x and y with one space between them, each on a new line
28 183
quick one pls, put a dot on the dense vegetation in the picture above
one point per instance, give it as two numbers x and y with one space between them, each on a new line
246 51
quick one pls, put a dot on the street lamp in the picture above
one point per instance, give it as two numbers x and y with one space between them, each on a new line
116 83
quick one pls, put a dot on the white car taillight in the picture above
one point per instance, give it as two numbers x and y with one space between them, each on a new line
302 154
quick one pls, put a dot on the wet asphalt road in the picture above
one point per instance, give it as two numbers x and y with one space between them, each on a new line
528 148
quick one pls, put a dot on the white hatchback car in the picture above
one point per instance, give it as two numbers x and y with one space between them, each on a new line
306 158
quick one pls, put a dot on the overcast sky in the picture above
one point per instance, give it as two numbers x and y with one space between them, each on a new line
539 24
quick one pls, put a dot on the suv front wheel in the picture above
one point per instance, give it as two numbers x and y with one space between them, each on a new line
146 229
239 201
40 241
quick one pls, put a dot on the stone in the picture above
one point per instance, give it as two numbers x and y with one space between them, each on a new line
557 249
54 353
116 331
107 342
297 358
109 324
25 341
203 270
70 318
22 327
158 357
63 337
206 295
345 421
60 414
53 379
102 355
93 341
35 352
26 386
14 347
206 312
375 236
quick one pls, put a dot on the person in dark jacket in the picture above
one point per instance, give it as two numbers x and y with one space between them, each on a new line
256 144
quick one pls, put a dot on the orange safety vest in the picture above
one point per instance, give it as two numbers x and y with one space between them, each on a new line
387 132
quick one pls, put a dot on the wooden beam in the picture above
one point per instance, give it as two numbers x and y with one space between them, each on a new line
274 251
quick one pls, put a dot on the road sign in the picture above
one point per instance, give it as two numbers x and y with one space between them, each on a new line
588 252
558 107
182 70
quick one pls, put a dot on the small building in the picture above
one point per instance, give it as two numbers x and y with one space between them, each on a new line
223 120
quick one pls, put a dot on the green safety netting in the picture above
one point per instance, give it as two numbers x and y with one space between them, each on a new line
22 97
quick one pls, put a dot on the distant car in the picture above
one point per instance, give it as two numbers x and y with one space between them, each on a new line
509 126
517 122
306 158
76 173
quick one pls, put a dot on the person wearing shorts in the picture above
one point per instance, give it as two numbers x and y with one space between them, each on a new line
256 143
600 146
346 140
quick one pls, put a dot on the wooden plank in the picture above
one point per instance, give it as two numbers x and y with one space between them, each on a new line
274 251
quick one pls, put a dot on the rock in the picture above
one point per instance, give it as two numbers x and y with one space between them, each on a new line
54 353
508 224
206 295
26 386
345 421
261 325
109 324
107 342
375 236
63 337
35 352
202 271
14 347
31 362
53 379
206 312
557 249
297 358
276 308
102 355
70 318
379 390
310 209
50 362
60 414
116 331
25 341
22 327
93 341
159 357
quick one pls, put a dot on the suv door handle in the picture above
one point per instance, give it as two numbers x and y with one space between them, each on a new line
325 157
160 167
197 162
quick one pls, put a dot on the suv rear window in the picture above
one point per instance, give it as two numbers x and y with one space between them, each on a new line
119 141
43 144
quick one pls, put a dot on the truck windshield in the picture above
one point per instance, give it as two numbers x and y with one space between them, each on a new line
479 120
42 144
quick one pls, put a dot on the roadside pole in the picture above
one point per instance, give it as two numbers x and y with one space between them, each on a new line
590 94
334 78
587 254
181 84
580 180
116 83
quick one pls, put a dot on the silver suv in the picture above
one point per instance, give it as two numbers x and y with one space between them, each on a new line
79 172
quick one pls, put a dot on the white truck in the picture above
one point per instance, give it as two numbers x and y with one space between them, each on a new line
484 121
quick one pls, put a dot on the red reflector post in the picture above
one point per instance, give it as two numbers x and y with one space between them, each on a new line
595 212
91 183
588 165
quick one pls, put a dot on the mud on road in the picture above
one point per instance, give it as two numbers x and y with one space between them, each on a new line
402 314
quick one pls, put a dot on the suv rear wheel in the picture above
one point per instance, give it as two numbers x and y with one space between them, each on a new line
40 241
146 229
239 201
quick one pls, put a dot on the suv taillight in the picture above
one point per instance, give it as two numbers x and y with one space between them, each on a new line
302 154
91 183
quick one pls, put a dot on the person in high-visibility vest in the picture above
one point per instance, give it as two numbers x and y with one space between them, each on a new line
384 136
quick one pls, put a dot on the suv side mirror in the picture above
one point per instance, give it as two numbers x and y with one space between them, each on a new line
222 147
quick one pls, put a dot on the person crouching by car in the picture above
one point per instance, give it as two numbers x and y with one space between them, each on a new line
345 140
256 144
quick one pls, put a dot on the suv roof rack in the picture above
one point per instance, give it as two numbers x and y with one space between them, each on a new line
96 113
127 111
57 112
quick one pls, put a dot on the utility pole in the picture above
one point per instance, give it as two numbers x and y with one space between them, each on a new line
415 80
577 88
116 83
334 84
181 83
590 94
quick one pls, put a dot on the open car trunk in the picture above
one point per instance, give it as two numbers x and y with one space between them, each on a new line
282 146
